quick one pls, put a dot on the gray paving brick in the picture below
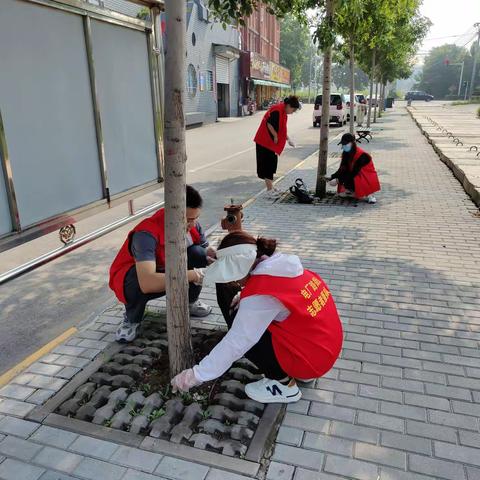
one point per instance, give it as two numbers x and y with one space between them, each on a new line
383 349
443 368
14 470
397 342
467 408
465 382
360 378
406 442
93 447
18 427
354 432
215 474
136 475
280 471
180 469
348 365
15 408
427 430
302 406
449 392
380 421
382 370
69 361
53 437
90 334
297 456
49 475
457 453
23 379
327 443
353 469
332 412
356 402
95 344
473 473
136 458
40 396
392 474
459 360
290 436
68 372
57 459
470 439
404 411
304 474
17 392
381 393
19 448
453 420
380 455
304 422
426 401
426 376
49 358
317 395
90 353
48 383
436 468
404 385
361 356
95 469
68 350
44 369
336 386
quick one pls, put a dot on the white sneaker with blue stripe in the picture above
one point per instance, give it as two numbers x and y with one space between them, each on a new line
267 390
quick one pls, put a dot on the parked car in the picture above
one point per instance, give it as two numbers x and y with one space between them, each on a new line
418 95
360 103
337 110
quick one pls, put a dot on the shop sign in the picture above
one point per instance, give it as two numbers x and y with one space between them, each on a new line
268 70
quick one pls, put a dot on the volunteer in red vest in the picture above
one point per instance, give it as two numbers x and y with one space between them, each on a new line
137 273
357 175
286 322
271 138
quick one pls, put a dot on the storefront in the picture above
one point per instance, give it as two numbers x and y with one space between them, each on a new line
263 81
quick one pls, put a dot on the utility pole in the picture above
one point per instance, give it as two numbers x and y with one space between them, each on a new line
461 78
310 76
475 55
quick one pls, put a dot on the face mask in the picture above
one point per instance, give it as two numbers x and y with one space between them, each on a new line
347 148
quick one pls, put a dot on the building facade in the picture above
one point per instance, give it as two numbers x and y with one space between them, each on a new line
262 78
211 62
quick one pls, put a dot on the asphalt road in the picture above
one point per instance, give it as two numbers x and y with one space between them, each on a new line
42 304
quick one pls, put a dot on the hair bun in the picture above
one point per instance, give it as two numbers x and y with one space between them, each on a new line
266 246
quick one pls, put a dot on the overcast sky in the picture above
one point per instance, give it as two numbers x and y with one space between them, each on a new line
450 17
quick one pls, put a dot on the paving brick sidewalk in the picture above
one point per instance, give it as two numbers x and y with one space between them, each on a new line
403 401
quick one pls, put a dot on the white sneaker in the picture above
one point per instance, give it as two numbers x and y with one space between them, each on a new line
126 332
371 199
199 309
272 391
273 194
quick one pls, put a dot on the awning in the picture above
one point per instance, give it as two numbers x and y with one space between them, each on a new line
269 83
227 51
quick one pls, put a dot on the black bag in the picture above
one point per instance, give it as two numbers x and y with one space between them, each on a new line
300 192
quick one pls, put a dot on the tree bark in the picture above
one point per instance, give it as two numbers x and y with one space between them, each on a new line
178 321
372 79
376 103
382 99
320 189
352 87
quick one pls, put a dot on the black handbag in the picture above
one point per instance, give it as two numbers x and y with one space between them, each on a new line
300 191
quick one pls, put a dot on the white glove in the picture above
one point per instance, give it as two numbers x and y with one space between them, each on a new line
200 276
333 182
184 381
235 302
291 143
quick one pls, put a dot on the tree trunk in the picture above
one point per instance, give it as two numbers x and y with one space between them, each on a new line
382 99
320 189
372 79
376 103
352 87
178 321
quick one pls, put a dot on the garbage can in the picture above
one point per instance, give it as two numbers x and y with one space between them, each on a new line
389 102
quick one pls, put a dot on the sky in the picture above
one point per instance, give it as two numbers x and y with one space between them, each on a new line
449 18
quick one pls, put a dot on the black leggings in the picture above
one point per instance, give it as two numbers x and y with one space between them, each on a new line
262 353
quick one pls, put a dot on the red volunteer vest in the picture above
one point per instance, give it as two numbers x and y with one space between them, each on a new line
263 137
366 182
155 225
308 342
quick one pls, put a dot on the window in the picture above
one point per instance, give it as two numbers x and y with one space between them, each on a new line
191 81
194 39
209 81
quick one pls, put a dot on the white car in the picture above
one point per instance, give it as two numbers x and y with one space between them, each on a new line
338 109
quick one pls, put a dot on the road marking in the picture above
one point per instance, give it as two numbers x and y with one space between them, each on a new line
26 362
216 162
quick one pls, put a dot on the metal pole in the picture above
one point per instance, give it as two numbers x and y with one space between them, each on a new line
310 77
87 29
461 78
466 91
59 252
8 178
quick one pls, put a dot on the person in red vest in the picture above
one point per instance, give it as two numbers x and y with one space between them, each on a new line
356 175
271 138
285 321
137 273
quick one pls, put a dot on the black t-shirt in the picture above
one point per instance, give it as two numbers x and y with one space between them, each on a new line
274 121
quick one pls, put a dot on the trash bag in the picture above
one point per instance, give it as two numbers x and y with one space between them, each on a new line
300 191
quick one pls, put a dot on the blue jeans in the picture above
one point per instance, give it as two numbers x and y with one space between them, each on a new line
137 300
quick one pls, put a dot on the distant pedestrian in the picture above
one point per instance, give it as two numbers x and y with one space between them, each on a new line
356 175
271 138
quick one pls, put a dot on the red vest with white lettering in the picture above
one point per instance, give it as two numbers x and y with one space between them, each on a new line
366 181
155 225
308 342
263 137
